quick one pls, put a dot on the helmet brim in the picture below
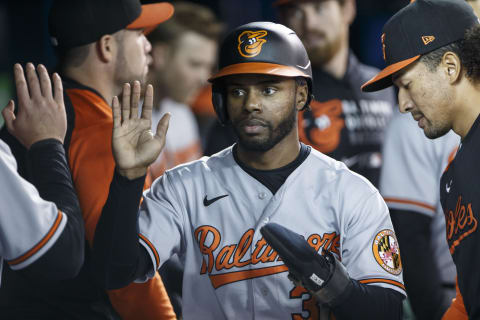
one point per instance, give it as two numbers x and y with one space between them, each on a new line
259 68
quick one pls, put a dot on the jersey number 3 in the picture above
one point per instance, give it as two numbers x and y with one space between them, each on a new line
309 305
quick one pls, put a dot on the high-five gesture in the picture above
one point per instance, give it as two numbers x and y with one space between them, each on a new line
41 114
134 144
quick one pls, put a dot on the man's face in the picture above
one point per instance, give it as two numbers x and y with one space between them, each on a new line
428 96
187 66
133 56
321 25
261 109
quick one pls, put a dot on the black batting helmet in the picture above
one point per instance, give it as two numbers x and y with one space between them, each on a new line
260 48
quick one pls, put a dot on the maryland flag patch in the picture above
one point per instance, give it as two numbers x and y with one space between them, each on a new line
386 251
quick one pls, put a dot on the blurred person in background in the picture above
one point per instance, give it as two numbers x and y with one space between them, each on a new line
184 53
344 122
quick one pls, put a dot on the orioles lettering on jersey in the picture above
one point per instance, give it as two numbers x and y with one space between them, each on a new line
234 255
460 223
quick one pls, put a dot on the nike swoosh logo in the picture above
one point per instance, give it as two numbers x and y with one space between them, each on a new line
448 186
207 202
306 67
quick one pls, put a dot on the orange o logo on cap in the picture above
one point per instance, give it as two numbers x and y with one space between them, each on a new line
250 43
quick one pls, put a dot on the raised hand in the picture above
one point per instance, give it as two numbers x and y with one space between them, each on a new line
41 114
134 144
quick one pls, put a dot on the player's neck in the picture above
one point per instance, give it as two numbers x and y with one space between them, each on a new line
337 66
467 110
279 156
94 78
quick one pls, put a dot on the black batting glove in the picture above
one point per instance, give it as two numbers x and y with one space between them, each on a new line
323 275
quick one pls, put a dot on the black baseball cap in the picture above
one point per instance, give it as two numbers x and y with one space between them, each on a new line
74 23
419 28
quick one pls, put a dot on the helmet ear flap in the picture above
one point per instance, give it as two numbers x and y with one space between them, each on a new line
218 101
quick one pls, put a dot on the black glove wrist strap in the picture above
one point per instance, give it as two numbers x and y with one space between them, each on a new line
338 284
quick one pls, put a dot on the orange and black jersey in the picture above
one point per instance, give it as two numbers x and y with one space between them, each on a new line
460 198
346 123
89 155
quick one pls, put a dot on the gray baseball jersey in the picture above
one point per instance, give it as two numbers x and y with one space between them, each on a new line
29 225
210 211
410 179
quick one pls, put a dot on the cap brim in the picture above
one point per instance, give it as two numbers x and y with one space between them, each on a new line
259 68
383 79
152 15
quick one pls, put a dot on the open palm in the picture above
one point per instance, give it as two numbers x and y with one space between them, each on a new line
134 144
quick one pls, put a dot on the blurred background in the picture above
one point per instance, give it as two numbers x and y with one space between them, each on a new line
24 33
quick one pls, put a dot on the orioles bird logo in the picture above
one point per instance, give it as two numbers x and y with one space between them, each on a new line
250 43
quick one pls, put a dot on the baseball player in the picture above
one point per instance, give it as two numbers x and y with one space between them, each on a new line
210 211
41 232
435 66
342 122
409 183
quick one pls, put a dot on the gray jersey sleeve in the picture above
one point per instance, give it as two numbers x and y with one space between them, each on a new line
369 246
412 166
161 222
410 180
29 225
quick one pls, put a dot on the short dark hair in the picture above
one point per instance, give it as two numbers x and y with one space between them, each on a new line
188 17
72 56
76 56
467 49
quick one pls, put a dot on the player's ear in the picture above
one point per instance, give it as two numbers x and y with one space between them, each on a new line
106 48
301 93
452 66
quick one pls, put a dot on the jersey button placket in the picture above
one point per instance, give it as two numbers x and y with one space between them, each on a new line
262 195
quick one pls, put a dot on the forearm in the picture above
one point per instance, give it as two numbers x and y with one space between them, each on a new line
49 173
369 302
117 254
421 275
